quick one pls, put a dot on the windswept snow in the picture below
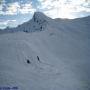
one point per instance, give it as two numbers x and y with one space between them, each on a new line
63 48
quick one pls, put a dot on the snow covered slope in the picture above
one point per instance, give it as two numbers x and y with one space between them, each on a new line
63 48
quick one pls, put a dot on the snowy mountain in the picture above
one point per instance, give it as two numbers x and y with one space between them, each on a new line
38 23
56 56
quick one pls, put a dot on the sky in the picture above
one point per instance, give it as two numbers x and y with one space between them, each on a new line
15 12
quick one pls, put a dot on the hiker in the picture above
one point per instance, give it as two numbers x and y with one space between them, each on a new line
41 27
38 59
28 61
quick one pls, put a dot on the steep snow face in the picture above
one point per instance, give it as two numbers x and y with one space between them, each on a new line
59 56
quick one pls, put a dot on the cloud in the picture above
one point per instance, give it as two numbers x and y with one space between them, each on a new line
64 8
3 24
1 7
12 8
9 9
53 8
27 8
16 8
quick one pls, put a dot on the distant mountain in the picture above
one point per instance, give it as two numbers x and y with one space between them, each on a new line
40 22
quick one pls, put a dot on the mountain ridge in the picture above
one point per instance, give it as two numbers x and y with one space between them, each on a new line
40 21
37 23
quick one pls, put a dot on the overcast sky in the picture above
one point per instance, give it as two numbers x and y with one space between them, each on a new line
14 12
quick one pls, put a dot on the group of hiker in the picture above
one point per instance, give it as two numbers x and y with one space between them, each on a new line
28 61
